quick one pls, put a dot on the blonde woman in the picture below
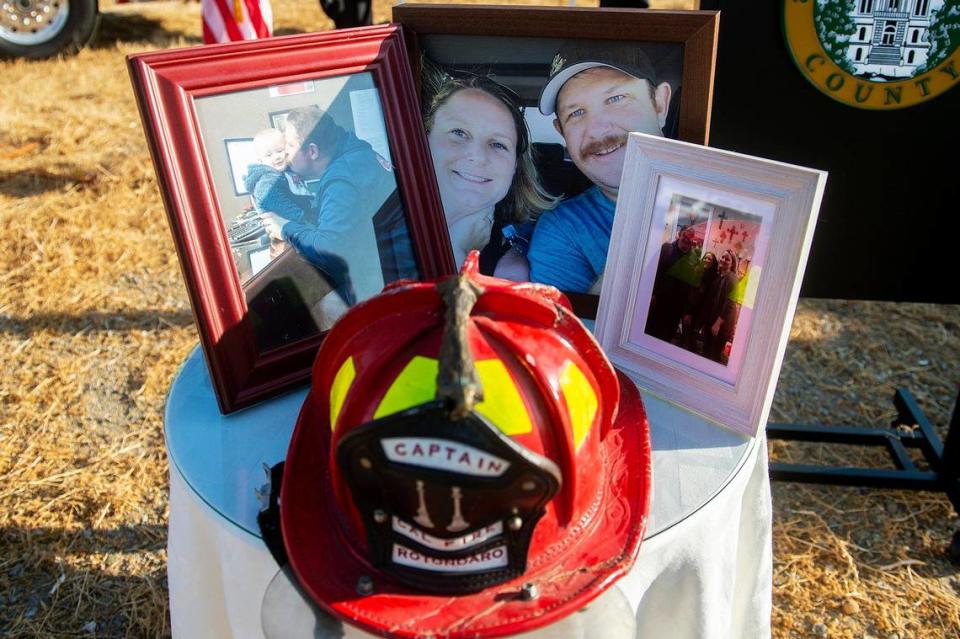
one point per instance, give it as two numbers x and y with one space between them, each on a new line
483 160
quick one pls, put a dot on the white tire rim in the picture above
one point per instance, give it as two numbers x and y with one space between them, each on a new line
32 22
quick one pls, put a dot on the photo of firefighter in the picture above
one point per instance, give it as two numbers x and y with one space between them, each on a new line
702 277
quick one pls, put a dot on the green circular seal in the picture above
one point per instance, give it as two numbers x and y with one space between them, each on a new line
876 54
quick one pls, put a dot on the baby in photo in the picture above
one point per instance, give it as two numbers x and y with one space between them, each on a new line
273 187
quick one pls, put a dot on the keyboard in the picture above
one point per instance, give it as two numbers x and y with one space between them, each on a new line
245 230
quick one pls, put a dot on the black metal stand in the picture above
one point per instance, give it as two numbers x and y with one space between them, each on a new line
943 459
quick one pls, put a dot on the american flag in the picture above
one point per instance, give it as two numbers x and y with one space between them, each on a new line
228 20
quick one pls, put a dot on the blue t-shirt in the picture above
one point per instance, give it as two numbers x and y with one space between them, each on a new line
569 247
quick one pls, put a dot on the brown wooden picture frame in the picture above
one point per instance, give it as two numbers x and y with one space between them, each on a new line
168 84
695 31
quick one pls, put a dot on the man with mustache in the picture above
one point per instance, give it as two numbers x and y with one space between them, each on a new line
599 92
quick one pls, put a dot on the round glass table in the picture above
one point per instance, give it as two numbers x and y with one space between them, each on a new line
704 568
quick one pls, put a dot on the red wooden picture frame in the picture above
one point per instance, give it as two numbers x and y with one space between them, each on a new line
167 84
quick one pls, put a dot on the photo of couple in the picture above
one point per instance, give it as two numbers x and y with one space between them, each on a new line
319 224
702 277
528 138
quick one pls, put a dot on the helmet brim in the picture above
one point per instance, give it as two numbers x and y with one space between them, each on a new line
329 564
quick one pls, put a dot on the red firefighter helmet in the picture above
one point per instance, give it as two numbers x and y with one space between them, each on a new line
459 468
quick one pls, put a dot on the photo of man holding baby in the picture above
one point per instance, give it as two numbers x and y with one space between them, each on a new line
311 203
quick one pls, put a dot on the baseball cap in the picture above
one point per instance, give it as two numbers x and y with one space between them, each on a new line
575 56
467 463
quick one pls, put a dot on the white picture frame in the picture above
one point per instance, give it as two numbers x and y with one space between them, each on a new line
754 213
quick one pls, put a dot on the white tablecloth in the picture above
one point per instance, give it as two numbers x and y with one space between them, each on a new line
704 570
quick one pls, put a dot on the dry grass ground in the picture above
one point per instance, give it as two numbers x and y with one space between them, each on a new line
94 321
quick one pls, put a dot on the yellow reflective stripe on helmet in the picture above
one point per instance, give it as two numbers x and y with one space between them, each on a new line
505 410
581 401
417 384
338 390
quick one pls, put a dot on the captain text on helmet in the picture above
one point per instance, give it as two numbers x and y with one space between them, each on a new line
598 95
